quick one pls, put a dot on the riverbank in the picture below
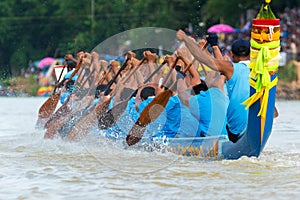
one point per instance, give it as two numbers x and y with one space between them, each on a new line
288 90
28 87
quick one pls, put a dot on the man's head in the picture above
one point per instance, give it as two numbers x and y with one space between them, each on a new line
100 88
70 65
240 50
147 92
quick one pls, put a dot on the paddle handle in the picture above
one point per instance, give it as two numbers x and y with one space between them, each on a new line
155 71
60 75
112 93
107 71
57 81
88 77
134 70
202 66
93 85
115 77
189 65
170 72
148 79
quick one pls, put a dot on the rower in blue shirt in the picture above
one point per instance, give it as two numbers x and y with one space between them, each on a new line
174 121
237 75
209 107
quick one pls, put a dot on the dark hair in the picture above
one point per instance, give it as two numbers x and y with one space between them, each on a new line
100 88
198 88
147 92
71 64
241 47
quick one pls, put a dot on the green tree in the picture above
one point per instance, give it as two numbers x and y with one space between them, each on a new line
33 29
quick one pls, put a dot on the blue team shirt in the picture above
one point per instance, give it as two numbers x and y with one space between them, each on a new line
209 108
173 117
188 123
238 89
64 96
174 121
68 75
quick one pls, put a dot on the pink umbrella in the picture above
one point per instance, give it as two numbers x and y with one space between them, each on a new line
221 28
45 62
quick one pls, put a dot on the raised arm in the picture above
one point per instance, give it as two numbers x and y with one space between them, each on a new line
181 90
223 66
212 39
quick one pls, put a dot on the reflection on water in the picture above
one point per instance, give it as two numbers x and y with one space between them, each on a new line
34 168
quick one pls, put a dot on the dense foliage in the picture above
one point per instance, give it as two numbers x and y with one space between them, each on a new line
33 29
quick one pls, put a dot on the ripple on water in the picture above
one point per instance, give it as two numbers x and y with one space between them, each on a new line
34 168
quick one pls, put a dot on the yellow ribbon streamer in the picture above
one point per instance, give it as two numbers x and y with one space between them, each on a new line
264 93
259 76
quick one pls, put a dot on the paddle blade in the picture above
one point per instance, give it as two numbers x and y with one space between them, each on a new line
108 119
135 134
53 129
148 115
49 106
61 111
154 108
88 122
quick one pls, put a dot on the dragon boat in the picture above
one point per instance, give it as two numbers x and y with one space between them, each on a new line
264 59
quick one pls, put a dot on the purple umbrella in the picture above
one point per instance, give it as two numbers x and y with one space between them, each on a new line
45 62
221 28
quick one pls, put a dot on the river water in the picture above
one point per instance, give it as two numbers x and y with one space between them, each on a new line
34 168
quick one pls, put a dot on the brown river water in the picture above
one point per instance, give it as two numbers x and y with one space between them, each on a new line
34 168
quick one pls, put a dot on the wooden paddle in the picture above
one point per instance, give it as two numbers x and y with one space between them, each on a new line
57 114
151 112
50 104
109 118
86 123
105 74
